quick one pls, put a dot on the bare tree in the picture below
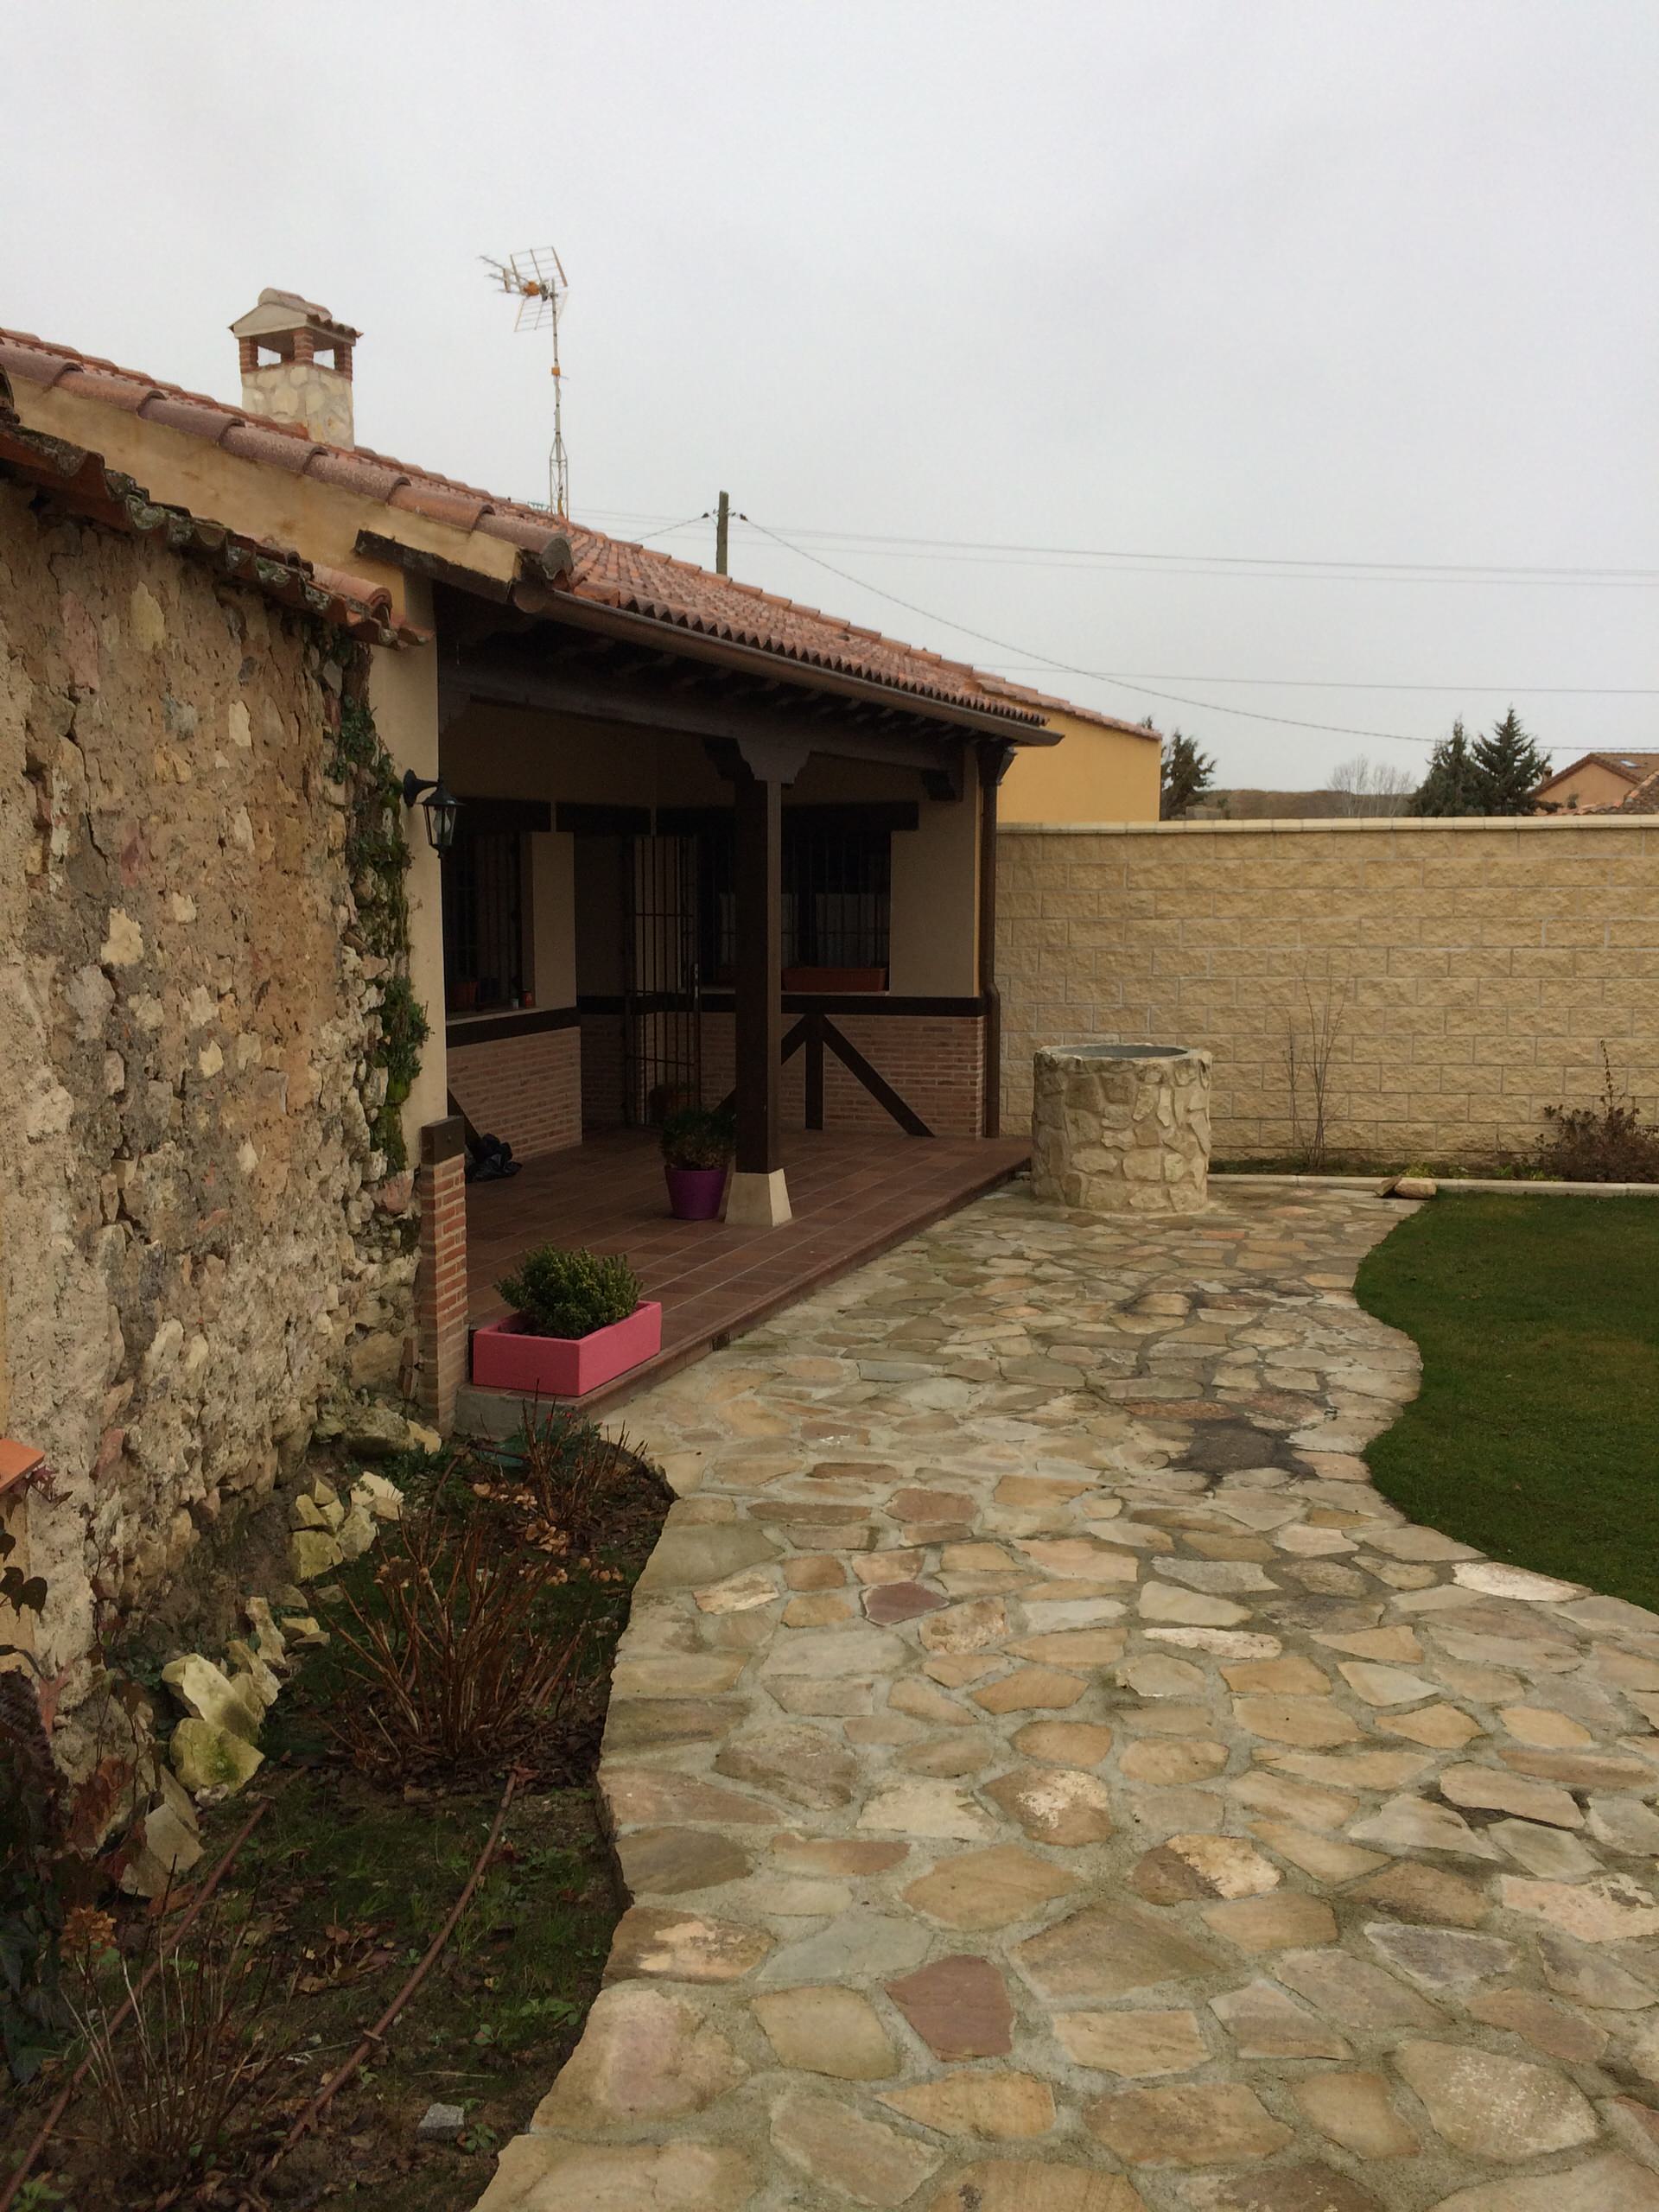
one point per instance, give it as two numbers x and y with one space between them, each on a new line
1365 786
1310 1047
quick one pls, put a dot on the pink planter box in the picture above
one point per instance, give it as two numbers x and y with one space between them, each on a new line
507 1357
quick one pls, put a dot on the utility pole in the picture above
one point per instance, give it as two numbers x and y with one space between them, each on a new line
722 524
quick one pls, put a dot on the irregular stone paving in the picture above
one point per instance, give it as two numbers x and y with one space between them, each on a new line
1050 1778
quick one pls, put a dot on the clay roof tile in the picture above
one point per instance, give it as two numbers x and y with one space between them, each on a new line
109 388
196 418
360 473
538 534
426 496
268 442
27 359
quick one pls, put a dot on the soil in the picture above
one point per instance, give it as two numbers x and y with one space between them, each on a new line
1502 1167
347 1879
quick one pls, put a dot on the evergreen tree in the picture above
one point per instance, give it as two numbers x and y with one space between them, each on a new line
1186 772
1510 766
1452 784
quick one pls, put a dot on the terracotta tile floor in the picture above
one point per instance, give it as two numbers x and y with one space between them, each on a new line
854 1194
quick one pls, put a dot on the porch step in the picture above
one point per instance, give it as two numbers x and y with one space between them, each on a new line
498 1414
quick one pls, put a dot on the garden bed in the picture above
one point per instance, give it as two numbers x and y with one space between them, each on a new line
1493 1168
351 1872
1532 1437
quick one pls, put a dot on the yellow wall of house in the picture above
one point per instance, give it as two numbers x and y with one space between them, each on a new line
319 521
935 915
404 697
1091 775
553 911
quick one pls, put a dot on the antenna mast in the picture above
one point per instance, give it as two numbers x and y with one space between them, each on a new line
537 280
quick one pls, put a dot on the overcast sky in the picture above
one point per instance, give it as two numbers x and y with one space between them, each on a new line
1324 282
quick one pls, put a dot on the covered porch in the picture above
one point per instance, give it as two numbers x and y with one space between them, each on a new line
854 1195
706 850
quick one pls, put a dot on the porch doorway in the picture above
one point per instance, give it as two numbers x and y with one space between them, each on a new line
662 1008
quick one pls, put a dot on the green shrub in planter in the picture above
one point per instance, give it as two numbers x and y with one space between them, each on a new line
571 1294
699 1137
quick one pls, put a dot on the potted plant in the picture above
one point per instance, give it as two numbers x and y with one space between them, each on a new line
697 1146
578 1321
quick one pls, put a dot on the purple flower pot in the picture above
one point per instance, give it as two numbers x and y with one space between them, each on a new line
695 1194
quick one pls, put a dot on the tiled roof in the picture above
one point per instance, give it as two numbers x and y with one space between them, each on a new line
287 446
605 571
80 480
1644 798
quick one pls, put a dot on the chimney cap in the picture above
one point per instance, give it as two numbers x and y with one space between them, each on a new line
278 312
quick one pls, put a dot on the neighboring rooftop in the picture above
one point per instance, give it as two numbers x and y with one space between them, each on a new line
1632 766
1641 798
570 558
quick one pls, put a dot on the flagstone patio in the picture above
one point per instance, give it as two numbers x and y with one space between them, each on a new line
1049 1778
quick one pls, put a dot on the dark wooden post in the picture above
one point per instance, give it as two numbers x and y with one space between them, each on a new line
760 886
757 1195
992 766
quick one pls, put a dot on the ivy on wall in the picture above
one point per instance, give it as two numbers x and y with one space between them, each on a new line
377 858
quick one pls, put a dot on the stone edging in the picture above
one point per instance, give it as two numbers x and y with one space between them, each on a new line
1316 825
1541 1189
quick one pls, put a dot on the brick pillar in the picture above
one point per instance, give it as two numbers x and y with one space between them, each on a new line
440 1284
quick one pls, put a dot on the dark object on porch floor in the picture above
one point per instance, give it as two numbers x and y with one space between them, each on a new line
489 1159
856 1193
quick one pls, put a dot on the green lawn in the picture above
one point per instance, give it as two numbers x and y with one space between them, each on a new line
1536 1435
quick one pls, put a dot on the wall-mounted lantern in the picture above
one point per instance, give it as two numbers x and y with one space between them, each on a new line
440 805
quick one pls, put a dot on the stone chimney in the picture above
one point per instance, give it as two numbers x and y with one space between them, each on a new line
297 365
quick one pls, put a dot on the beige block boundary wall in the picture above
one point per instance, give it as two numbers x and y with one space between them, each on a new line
1474 968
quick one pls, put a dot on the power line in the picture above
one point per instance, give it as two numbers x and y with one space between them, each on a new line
1258 682
1352 569
646 537
1354 684
1066 668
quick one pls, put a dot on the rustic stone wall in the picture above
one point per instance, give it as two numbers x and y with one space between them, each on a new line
197 1238
1471 969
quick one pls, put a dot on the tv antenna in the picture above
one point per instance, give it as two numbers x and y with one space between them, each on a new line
537 280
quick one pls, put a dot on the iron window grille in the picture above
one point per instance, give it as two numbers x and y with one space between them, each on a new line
837 897
484 960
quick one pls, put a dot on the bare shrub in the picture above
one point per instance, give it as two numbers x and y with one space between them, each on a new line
184 2085
1608 1142
454 1664
570 1470
1309 1049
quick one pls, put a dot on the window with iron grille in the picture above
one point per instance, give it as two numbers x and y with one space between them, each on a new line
837 895
484 963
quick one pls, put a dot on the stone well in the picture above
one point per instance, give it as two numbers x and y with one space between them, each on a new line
1122 1128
